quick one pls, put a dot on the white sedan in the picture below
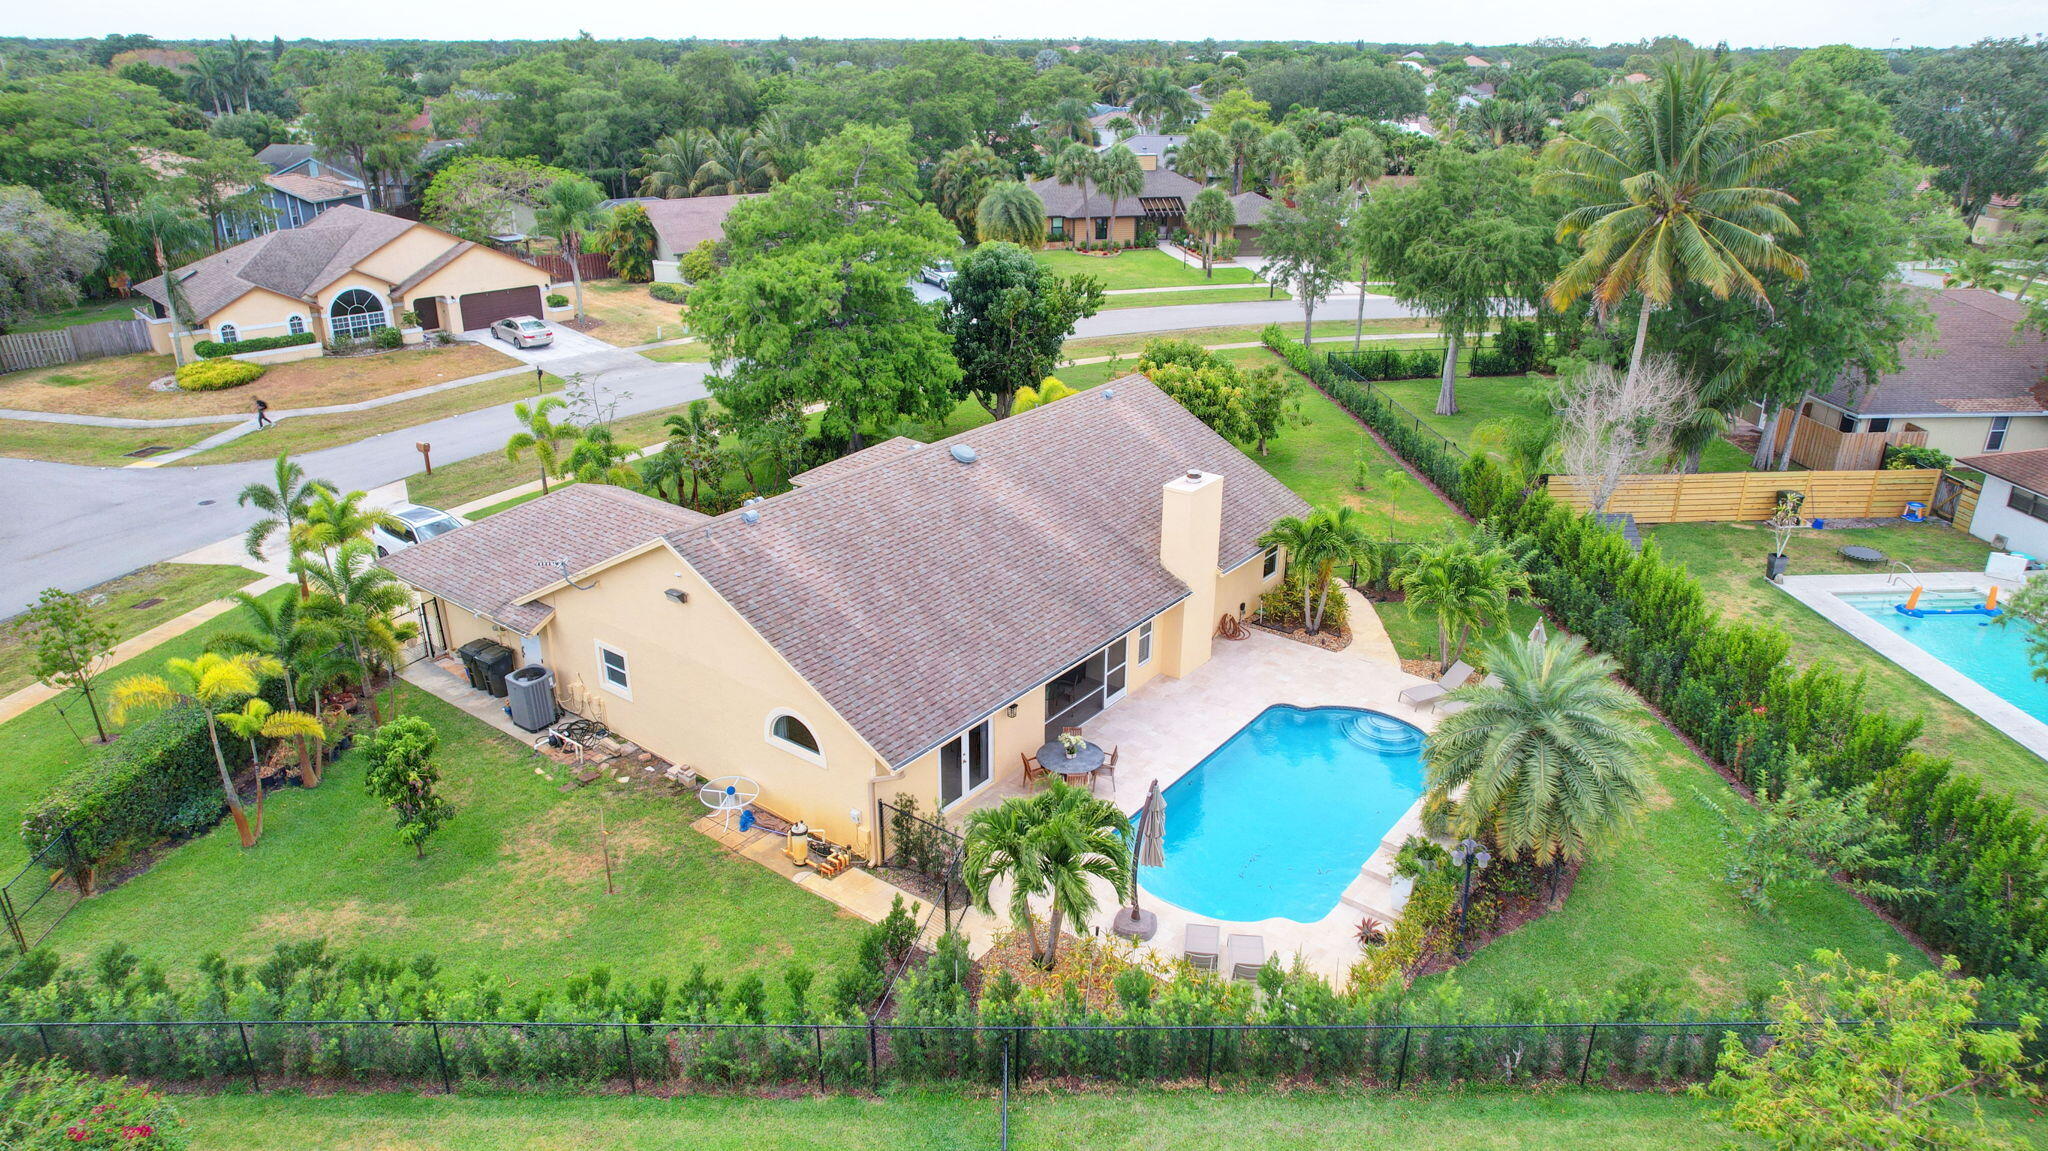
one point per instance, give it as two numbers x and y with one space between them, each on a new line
416 524
523 332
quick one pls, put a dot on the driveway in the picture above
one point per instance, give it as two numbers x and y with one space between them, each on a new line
569 348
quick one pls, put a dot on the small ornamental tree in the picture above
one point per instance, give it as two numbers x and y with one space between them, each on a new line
70 645
1864 1058
402 775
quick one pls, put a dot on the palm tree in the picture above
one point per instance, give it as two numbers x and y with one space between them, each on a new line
209 78
630 240
1075 166
331 520
162 231
359 603
959 180
1053 843
1118 175
1242 141
1117 83
670 167
569 211
780 146
287 633
1012 213
1667 178
212 682
693 433
1210 215
1463 584
1315 545
1159 103
1067 119
1551 759
283 504
1354 159
1277 159
541 434
732 166
599 458
1203 156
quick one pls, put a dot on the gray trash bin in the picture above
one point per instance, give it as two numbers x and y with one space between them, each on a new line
532 691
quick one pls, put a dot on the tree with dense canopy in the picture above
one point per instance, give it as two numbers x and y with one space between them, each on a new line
1008 317
960 181
162 231
1305 250
1980 116
629 239
477 197
45 253
357 112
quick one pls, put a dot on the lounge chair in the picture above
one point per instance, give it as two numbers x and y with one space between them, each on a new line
1454 706
1201 945
1033 770
1452 679
1247 956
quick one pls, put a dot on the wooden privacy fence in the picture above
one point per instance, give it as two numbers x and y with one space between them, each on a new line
1712 496
1822 448
596 266
23 350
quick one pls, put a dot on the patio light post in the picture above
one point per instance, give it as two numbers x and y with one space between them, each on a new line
1468 853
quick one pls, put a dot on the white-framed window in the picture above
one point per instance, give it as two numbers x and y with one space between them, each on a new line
226 332
1144 643
1272 562
1996 440
356 312
611 670
296 325
788 731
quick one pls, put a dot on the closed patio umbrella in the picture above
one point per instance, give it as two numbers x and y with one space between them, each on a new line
1537 634
1134 922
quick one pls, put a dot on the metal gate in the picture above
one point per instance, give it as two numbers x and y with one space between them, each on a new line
40 895
1948 497
432 641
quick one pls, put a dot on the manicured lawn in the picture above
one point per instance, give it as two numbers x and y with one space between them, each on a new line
630 316
479 476
304 434
95 447
1499 397
513 887
119 385
694 352
86 312
174 589
1142 268
1331 329
514 502
1203 296
1728 560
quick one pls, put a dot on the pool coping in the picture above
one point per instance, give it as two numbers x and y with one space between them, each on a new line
1822 593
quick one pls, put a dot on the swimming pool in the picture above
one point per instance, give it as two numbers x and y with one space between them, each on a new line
1277 821
1991 653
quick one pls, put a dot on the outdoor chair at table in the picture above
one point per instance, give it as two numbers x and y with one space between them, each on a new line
1108 767
1034 771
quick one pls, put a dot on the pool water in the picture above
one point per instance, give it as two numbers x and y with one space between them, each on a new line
1277 821
1992 653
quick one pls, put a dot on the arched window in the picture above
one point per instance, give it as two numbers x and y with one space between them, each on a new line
794 735
296 325
356 313
226 332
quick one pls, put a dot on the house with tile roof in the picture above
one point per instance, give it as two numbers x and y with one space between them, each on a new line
341 276
1080 212
910 619
681 223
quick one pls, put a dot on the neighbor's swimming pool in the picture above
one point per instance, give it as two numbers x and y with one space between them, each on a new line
1277 821
1993 654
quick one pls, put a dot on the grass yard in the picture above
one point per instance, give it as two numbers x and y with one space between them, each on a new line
1728 560
629 315
513 887
514 502
85 312
1141 268
1327 330
304 434
94 447
132 605
694 352
1499 397
1200 296
119 385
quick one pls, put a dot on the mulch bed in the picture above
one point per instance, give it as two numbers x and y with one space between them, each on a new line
586 324
1328 639
1515 914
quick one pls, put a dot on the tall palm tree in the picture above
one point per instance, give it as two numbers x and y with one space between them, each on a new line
1159 103
732 165
1353 159
670 167
1210 217
1278 159
1118 176
780 146
1011 212
1075 167
1315 545
1667 176
287 632
1242 140
360 602
1551 759
540 434
1066 120
693 433
1117 83
1463 584
163 231
959 180
1203 156
283 504
209 78
569 212
1054 843
213 682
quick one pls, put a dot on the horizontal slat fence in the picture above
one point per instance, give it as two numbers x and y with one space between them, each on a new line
1717 496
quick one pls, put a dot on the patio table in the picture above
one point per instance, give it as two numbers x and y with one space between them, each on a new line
1076 768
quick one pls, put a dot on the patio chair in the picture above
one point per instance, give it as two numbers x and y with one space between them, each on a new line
1247 956
1451 680
1070 731
1108 768
1201 945
1034 771
1454 706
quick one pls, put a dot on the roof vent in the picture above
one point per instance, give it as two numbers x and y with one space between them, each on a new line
1109 393
964 454
751 516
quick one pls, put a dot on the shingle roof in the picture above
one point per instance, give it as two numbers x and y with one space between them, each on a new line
278 157
295 262
1974 364
490 566
919 594
311 189
894 448
686 221
2027 469
1149 144
1251 208
1065 199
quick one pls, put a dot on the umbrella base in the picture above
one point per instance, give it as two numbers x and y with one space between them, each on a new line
1139 926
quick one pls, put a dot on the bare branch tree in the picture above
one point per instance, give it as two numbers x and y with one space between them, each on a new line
1613 424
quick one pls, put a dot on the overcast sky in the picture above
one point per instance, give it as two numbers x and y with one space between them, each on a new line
1872 23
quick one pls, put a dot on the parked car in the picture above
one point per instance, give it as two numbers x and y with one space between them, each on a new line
416 524
939 275
523 332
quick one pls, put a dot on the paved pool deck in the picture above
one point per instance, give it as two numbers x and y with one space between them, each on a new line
1823 594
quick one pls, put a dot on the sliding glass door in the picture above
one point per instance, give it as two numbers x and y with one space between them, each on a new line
963 764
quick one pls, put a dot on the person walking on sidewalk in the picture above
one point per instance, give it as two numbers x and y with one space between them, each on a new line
262 414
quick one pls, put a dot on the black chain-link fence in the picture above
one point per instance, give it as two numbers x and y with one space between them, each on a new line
40 895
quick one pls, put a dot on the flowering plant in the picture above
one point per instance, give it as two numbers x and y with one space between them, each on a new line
1073 743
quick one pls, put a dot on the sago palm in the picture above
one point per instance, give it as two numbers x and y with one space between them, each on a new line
1551 758
1463 584
541 435
211 682
1668 176
283 504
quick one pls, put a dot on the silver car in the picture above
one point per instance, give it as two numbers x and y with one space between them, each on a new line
416 524
523 332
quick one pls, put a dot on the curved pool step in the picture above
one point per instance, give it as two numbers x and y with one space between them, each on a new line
1383 734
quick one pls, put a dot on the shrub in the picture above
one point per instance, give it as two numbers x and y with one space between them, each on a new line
48 1104
669 293
210 349
214 375
1282 607
388 338
1908 456
557 300
701 263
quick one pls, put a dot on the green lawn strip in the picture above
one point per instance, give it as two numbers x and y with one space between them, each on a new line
88 312
37 747
1499 397
176 588
694 352
1329 329
93 446
513 887
514 502
1143 268
1203 296
1728 561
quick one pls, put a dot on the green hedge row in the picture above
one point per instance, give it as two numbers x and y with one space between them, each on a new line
210 349
1732 687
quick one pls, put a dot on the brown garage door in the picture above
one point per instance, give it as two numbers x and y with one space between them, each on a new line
482 309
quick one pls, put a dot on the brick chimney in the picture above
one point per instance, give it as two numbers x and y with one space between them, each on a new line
1190 535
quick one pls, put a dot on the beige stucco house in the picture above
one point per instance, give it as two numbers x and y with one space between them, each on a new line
913 618
344 274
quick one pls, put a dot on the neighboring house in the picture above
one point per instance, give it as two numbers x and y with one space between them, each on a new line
290 200
344 274
911 619
306 160
1153 150
1082 212
682 223
1975 387
1477 62
2012 510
